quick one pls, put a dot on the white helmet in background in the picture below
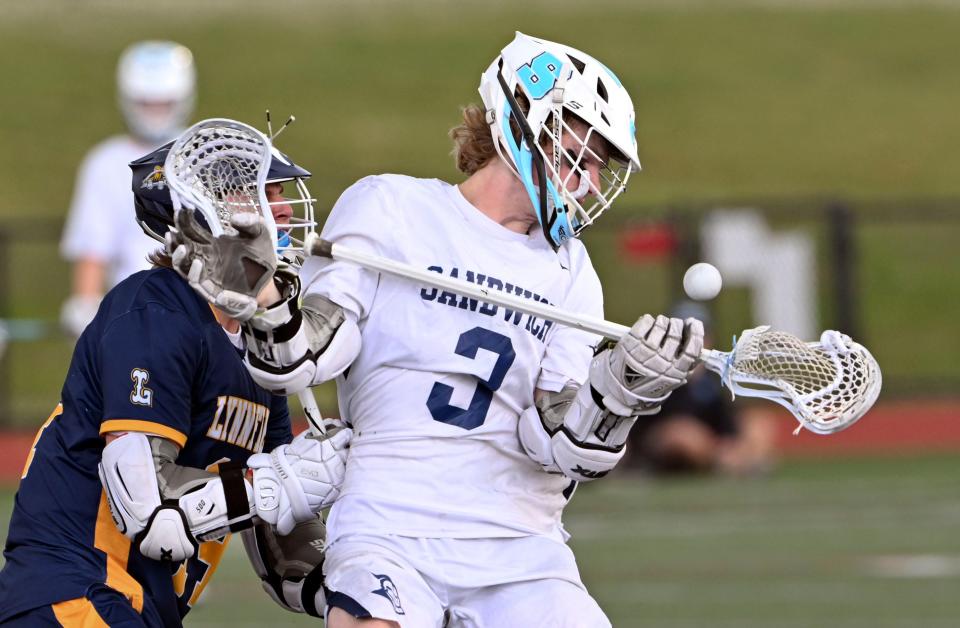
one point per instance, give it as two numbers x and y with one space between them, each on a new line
560 84
156 83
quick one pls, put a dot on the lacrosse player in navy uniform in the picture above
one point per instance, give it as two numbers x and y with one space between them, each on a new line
134 483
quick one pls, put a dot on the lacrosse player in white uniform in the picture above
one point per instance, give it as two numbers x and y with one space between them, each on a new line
155 89
473 423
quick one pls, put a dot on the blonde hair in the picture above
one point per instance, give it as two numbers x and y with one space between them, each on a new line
473 146
473 143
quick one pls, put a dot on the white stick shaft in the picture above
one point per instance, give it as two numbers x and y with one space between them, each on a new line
613 331
595 325
312 411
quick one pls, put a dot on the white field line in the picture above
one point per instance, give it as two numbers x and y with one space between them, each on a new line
913 566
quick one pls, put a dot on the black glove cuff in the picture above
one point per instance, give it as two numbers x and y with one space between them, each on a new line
235 494
312 583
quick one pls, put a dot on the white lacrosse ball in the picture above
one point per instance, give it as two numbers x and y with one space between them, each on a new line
702 282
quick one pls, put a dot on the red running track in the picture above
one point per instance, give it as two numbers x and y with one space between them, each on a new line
901 427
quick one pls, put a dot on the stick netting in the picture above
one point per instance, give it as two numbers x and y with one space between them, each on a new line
220 166
825 388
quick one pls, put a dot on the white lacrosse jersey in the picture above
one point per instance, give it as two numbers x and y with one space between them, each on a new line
441 379
102 223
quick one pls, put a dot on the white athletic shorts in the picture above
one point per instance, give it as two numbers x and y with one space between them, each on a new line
460 583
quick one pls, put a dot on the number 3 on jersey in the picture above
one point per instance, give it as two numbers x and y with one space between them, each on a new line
474 415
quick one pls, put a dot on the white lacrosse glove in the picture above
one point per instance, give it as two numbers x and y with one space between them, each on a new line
582 432
77 312
229 270
294 482
653 359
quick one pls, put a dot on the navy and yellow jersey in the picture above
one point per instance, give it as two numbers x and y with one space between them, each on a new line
154 360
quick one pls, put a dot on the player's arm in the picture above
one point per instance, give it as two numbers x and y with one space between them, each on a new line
311 337
296 343
582 431
167 508
87 242
89 279
299 338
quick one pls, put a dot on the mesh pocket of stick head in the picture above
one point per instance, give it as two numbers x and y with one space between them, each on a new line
826 389
218 167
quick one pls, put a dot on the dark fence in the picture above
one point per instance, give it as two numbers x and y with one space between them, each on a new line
887 273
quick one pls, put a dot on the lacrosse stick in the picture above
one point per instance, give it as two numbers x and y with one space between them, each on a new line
312 411
826 385
218 167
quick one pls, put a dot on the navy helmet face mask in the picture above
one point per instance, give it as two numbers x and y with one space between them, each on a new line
155 212
293 232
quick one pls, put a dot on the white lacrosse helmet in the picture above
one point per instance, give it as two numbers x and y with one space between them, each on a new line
156 83
557 80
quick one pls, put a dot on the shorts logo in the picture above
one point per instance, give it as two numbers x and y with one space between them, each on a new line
141 395
389 590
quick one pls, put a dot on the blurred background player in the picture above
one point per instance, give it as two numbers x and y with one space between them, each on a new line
155 91
699 429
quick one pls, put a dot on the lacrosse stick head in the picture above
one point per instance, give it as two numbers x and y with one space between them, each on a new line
293 212
218 168
827 385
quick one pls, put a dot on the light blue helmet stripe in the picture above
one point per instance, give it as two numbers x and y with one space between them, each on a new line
561 229
522 157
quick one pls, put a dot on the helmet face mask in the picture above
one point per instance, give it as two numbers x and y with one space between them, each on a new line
155 210
570 111
569 150
293 233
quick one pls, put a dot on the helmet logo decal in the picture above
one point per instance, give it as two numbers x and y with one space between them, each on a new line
154 180
540 75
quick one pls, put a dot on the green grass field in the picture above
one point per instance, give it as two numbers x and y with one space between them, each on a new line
746 99
865 543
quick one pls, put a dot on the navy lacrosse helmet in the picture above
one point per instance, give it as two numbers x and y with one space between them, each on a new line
151 196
